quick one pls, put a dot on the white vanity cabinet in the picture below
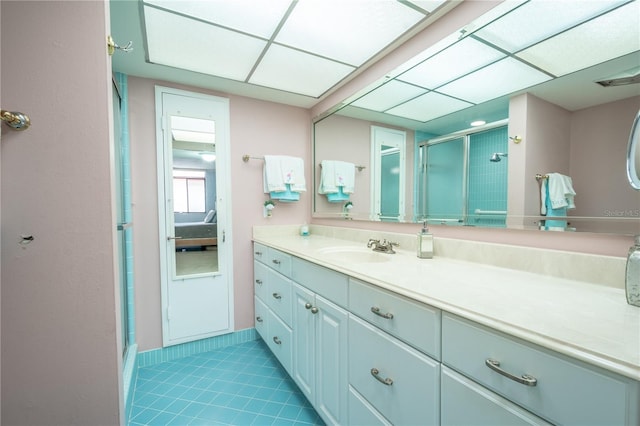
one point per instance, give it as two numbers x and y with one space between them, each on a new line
320 353
273 301
557 388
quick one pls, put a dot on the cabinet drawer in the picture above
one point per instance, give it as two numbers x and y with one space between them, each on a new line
261 317
413 396
278 296
260 252
279 261
567 391
330 284
361 413
489 408
412 322
260 279
279 340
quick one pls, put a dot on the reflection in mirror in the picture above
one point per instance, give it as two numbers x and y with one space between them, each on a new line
565 93
194 196
633 154
388 175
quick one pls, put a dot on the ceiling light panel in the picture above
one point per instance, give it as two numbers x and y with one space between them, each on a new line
347 31
428 106
304 73
537 20
607 37
427 5
462 58
388 95
501 78
259 18
185 43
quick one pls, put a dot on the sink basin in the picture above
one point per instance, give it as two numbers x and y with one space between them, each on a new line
355 254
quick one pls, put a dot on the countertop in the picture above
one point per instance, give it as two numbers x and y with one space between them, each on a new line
589 322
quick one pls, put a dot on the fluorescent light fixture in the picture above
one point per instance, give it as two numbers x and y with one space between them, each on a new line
462 58
478 123
305 74
501 78
209 157
428 106
342 30
537 20
187 129
388 95
186 43
607 37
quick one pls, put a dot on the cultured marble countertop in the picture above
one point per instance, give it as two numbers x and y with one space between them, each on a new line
586 321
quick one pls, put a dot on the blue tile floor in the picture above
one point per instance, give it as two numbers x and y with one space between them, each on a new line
238 385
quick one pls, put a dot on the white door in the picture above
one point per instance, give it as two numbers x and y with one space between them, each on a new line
194 215
388 152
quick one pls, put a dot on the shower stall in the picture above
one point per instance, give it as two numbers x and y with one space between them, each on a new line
462 177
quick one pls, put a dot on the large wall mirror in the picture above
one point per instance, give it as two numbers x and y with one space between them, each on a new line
558 87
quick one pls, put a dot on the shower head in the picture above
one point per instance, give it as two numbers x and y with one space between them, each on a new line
496 156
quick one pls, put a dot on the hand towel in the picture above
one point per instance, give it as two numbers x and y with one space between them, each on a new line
345 176
327 178
273 180
336 174
281 171
559 190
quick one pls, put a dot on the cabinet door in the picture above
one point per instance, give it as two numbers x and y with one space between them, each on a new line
489 408
304 341
332 381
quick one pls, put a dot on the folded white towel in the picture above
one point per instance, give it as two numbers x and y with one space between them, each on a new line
336 174
561 192
282 170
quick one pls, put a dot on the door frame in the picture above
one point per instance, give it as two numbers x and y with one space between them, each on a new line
223 209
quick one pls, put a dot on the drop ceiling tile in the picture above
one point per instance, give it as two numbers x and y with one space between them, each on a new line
455 61
388 95
428 106
537 20
501 78
610 36
259 18
428 5
304 73
346 31
201 47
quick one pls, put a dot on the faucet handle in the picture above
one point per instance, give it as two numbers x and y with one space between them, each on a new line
371 242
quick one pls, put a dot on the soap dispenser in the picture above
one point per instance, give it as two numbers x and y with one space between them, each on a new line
632 279
425 242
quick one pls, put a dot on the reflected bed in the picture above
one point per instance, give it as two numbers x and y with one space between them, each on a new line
193 234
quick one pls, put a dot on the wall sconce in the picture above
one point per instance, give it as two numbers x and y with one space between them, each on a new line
269 205
346 209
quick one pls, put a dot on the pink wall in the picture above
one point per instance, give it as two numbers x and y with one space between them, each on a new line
257 128
60 348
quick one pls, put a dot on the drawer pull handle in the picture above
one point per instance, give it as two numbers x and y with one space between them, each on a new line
277 296
276 261
376 311
259 282
258 253
388 381
525 379
314 310
259 319
276 340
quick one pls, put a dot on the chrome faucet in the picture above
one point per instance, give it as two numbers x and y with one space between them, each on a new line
384 246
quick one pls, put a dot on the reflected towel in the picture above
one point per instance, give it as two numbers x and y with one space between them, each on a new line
553 225
335 174
558 189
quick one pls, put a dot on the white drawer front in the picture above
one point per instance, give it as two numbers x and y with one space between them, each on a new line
280 262
278 296
260 279
361 413
412 398
279 341
488 408
260 252
261 317
325 282
412 322
566 391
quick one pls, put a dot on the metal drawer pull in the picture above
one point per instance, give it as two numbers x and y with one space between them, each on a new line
388 381
259 282
257 253
376 311
525 379
276 296
276 261
276 340
259 319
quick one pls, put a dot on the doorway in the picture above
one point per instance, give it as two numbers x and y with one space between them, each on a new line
193 206
388 152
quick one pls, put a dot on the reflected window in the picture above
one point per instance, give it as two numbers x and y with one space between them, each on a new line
189 191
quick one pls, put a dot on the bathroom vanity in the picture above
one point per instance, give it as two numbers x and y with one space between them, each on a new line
376 338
